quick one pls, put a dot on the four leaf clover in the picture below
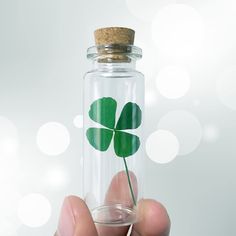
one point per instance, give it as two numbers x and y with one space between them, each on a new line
103 111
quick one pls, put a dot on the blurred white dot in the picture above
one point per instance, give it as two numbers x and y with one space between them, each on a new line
57 177
162 146
226 88
173 82
9 199
185 126
178 29
53 138
210 133
78 121
145 10
34 210
150 97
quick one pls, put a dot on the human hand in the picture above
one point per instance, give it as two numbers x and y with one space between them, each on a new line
76 220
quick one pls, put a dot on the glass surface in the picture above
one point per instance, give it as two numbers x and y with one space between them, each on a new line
113 147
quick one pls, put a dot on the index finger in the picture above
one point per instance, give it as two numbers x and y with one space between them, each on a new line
119 193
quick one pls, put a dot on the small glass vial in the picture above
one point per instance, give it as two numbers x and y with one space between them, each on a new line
113 121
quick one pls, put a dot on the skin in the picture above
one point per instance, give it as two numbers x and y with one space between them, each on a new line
76 220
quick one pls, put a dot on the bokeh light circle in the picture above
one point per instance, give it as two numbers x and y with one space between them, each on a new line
34 210
173 82
178 29
226 88
162 146
185 126
78 121
56 177
53 138
211 133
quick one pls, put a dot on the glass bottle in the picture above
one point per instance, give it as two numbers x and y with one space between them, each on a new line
113 121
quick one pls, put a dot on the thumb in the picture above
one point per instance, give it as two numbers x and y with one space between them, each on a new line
75 219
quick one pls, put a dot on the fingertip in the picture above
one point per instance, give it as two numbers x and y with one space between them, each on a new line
75 218
66 221
77 206
154 219
119 187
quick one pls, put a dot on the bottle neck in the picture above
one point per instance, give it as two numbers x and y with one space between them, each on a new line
114 66
114 57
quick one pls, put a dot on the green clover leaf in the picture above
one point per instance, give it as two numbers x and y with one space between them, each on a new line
130 117
125 144
99 138
103 111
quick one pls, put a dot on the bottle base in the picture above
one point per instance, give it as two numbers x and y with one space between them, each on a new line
114 215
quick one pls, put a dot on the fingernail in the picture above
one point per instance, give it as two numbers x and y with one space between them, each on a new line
67 220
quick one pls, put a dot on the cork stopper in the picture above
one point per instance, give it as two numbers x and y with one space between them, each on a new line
114 35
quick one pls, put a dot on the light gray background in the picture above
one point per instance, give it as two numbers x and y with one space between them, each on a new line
42 61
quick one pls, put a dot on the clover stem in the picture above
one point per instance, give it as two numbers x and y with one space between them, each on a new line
129 182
